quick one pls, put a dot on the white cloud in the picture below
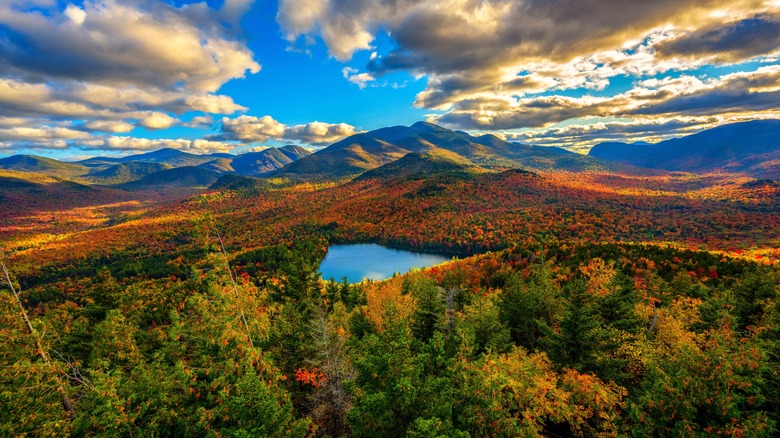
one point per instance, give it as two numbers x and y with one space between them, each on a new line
40 133
751 93
359 79
123 41
157 121
488 62
75 14
106 65
250 129
109 126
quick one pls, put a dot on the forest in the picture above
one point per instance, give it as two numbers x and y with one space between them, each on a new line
577 305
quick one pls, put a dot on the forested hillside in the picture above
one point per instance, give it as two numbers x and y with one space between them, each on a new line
548 339
612 305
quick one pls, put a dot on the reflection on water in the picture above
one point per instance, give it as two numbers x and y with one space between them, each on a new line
372 261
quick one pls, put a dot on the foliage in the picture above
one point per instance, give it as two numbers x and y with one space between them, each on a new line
612 305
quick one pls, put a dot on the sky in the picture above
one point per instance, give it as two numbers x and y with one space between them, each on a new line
114 77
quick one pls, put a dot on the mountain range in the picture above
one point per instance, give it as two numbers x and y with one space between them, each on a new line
155 168
752 148
361 152
749 148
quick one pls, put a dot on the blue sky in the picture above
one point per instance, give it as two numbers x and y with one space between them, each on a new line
114 77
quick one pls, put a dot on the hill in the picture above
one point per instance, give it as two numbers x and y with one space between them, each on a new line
99 162
232 181
422 165
125 172
751 147
221 165
294 152
266 161
361 152
187 177
48 166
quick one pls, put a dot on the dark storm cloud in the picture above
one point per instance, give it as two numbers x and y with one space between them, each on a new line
730 42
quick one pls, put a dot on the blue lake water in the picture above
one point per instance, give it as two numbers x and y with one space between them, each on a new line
372 261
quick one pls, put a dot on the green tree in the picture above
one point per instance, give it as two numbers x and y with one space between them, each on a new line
527 305
428 316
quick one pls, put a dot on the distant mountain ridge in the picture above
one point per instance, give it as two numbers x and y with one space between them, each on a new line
49 166
112 170
370 150
750 147
130 171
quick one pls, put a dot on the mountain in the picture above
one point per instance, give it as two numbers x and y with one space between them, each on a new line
173 157
232 181
294 152
268 160
100 162
187 177
124 172
751 147
221 165
413 164
48 166
369 150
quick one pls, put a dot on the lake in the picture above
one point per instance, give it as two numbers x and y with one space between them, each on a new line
372 261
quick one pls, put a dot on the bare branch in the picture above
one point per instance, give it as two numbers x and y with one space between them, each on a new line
66 403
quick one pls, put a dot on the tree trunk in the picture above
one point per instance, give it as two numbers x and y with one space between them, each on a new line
65 399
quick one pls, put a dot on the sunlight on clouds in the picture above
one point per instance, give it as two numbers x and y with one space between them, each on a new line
157 121
109 126
250 129
110 64
501 64
359 79
75 14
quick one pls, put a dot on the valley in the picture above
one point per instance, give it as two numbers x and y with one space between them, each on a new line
182 293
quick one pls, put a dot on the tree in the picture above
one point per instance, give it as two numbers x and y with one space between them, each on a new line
481 330
579 335
38 342
428 316
527 305
399 390
515 394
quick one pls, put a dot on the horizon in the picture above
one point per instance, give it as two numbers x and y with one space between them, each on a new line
76 159
233 76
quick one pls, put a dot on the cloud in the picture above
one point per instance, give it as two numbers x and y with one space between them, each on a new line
580 137
157 121
32 134
446 36
506 64
250 129
121 143
199 122
123 42
359 79
106 65
40 133
110 144
109 126
746 93
728 42
319 133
